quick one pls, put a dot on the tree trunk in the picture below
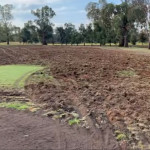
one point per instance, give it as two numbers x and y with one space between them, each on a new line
84 41
126 41
121 42
44 42
7 38
149 43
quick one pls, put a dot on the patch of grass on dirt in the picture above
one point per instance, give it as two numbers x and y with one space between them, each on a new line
19 106
12 76
74 121
120 136
126 73
15 105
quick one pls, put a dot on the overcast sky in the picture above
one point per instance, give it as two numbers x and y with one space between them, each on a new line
67 11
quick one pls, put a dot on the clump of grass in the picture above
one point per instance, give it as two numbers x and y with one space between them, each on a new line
120 136
74 121
15 105
140 145
126 73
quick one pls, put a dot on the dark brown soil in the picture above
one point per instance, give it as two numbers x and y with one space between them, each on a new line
87 80
24 131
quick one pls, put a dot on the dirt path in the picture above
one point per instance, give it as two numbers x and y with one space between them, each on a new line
22 131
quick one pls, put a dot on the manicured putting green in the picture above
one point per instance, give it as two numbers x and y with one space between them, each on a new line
14 76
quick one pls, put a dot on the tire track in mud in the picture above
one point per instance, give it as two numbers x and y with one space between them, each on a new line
17 82
25 77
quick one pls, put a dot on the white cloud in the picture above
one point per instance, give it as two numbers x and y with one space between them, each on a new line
18 22
60 9
28 2
20 11
82 12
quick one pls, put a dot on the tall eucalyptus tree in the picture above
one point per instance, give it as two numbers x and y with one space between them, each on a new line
43 23
5 19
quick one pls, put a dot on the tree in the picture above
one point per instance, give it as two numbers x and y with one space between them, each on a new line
16 35
25 35
143 37
43 22
133 36
68 29
107 18
33 32
60 33
2 34
83 33
5 18
90 34
100 33
119 18
29 33
148 20
129 13
76 37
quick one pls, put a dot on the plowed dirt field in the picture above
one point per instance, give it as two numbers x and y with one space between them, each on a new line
108 88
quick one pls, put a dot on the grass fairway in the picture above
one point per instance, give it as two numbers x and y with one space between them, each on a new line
14 76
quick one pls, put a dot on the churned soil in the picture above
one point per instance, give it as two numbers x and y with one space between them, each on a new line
111 87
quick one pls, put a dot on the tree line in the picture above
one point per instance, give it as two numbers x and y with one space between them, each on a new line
110 23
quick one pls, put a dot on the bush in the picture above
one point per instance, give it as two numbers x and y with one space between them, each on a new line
143 37
133 38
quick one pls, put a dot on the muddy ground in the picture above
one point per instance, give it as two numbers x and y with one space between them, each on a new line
109 87
25 131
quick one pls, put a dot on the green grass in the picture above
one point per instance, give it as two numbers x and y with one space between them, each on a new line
138 44
14 76
74 121
20 105
126 73
120 136
17 43
15 105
